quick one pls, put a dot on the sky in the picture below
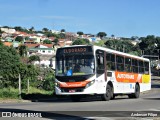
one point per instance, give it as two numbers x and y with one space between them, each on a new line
121 18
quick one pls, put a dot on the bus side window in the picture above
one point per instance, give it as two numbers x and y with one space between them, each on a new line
100 63
110 61
128 67
120 63
135 65
146 67
141 67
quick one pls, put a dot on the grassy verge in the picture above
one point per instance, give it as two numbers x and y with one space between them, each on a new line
12 93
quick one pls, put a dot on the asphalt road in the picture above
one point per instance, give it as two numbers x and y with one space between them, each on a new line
91 108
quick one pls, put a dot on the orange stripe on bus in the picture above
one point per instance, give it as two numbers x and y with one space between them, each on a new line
73 84
128 77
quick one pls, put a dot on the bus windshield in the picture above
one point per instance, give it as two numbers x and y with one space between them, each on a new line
74 65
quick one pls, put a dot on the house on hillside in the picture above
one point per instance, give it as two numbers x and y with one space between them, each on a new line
8 30
42 49
46 53
64 42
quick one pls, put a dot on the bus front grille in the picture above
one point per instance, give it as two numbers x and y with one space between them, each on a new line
80 89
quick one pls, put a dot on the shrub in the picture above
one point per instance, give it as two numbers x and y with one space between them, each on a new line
9 93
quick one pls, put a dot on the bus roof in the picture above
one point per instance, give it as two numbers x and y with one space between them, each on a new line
118 52
109 50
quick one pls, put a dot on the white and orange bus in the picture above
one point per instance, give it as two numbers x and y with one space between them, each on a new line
93 70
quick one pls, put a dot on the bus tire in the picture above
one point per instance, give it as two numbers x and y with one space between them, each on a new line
113 97
107 95
136 93
75 98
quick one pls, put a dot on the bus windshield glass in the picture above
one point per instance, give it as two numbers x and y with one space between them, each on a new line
75 65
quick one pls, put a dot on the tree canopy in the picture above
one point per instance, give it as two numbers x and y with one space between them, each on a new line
63 30
81 42
11 66
19 39
47 42
80 33
101 34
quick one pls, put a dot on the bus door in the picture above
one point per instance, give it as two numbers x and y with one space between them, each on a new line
100 69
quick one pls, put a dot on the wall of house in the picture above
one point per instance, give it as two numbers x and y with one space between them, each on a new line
45 63
46 52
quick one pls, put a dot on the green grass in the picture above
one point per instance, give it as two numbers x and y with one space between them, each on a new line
35 90
12 93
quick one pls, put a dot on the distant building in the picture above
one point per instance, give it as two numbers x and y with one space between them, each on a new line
8 30
42 49
55 31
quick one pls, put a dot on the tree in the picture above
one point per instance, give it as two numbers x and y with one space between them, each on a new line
62 35
34 58
18 28
123 46
112 36
22 50
9 65
47 42
32 29
147 44
80 33
81 42
27 38
19 39
56 41
45 29
134 37
1 31
63 30
101 34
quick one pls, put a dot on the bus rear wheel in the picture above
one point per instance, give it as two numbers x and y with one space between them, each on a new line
136 93
107 96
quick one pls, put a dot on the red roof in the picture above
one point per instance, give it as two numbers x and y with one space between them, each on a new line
7 44
31 45
36 45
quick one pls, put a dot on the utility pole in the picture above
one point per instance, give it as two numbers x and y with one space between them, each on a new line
28 85
19 86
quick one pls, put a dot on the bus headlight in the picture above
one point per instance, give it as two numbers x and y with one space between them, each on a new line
57 84
90 83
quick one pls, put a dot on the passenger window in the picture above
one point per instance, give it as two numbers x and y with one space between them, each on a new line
134 65
110 61
120 63
128 67
146 67
141 67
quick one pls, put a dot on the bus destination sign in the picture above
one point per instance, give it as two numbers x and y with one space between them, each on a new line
69 50
75 50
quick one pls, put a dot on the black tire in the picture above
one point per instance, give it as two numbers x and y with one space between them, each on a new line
75 98
130 95
137 91
108 95
136 94
113 97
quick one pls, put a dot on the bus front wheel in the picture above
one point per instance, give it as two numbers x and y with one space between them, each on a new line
107 96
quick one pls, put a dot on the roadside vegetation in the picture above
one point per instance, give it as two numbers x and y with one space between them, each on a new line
34 79
39 82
